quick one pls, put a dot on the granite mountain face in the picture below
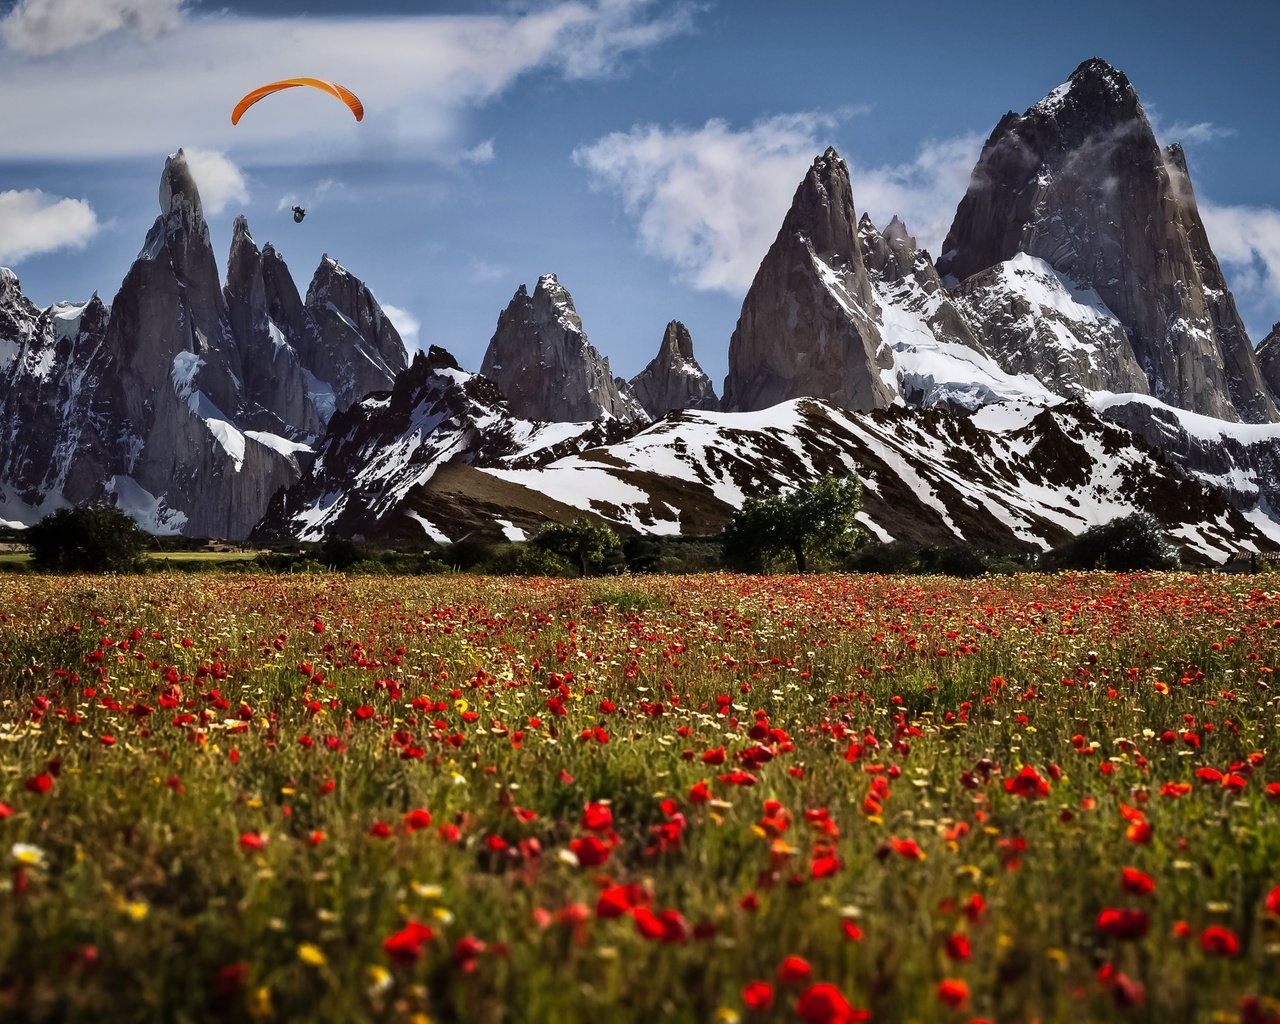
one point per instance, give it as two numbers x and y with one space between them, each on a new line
673 379
185 403
1077 193
542 362
808 325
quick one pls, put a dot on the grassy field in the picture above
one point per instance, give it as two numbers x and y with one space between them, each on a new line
718 798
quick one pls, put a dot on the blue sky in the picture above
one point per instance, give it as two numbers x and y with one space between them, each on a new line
643 150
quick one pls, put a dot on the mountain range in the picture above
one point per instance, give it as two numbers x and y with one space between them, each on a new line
1073 354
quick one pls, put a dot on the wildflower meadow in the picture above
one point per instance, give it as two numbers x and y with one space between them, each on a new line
724 798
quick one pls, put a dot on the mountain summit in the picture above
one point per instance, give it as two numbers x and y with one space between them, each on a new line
1076 195
673 379
808 324
541 360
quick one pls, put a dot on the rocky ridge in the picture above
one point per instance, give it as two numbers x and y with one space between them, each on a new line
673 379
185 403
808 324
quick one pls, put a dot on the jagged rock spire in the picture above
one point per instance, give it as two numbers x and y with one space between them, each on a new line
673 379
809 321
541 360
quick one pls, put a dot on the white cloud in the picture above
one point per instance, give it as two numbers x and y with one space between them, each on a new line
33 222
1246 240
50 26
710 200
597 37
405 323
416 75
479 154
1200 132
219 180
1188 133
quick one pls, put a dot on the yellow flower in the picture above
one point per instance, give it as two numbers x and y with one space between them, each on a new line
136 910
258 1003
311 954
378 980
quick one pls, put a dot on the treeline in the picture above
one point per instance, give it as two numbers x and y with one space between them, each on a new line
808 529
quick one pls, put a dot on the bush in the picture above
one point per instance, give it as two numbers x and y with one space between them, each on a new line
951 560
96 538
1128 544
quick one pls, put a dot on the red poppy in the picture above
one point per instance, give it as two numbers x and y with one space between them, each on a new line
590 851
958 946
1122 923
1027 783
597 817
758 995
793 971
823 1003
907 848
415 820
699 793
665 926
466 951
953 992
5 810
41 783
1273 900
851 931
1137 882
1139 832
251 842
380 830
825 865
405 946
1219 941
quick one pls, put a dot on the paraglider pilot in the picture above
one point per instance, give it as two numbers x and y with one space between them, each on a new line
298 214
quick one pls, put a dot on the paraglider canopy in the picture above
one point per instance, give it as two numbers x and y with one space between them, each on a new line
332 88
298 214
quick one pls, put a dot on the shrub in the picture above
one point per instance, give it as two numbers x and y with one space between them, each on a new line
95 538
1127 544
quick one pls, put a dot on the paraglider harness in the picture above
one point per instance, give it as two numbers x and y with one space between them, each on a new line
298 214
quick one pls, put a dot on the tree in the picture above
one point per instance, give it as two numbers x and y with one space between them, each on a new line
96 538
817 519
1127 544
584 543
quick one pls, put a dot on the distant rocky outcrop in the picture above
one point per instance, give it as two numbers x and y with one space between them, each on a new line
1077 189
275 382
673 379
42 396
542 362
808 325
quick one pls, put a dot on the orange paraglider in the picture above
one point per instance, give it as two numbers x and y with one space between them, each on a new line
332 88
